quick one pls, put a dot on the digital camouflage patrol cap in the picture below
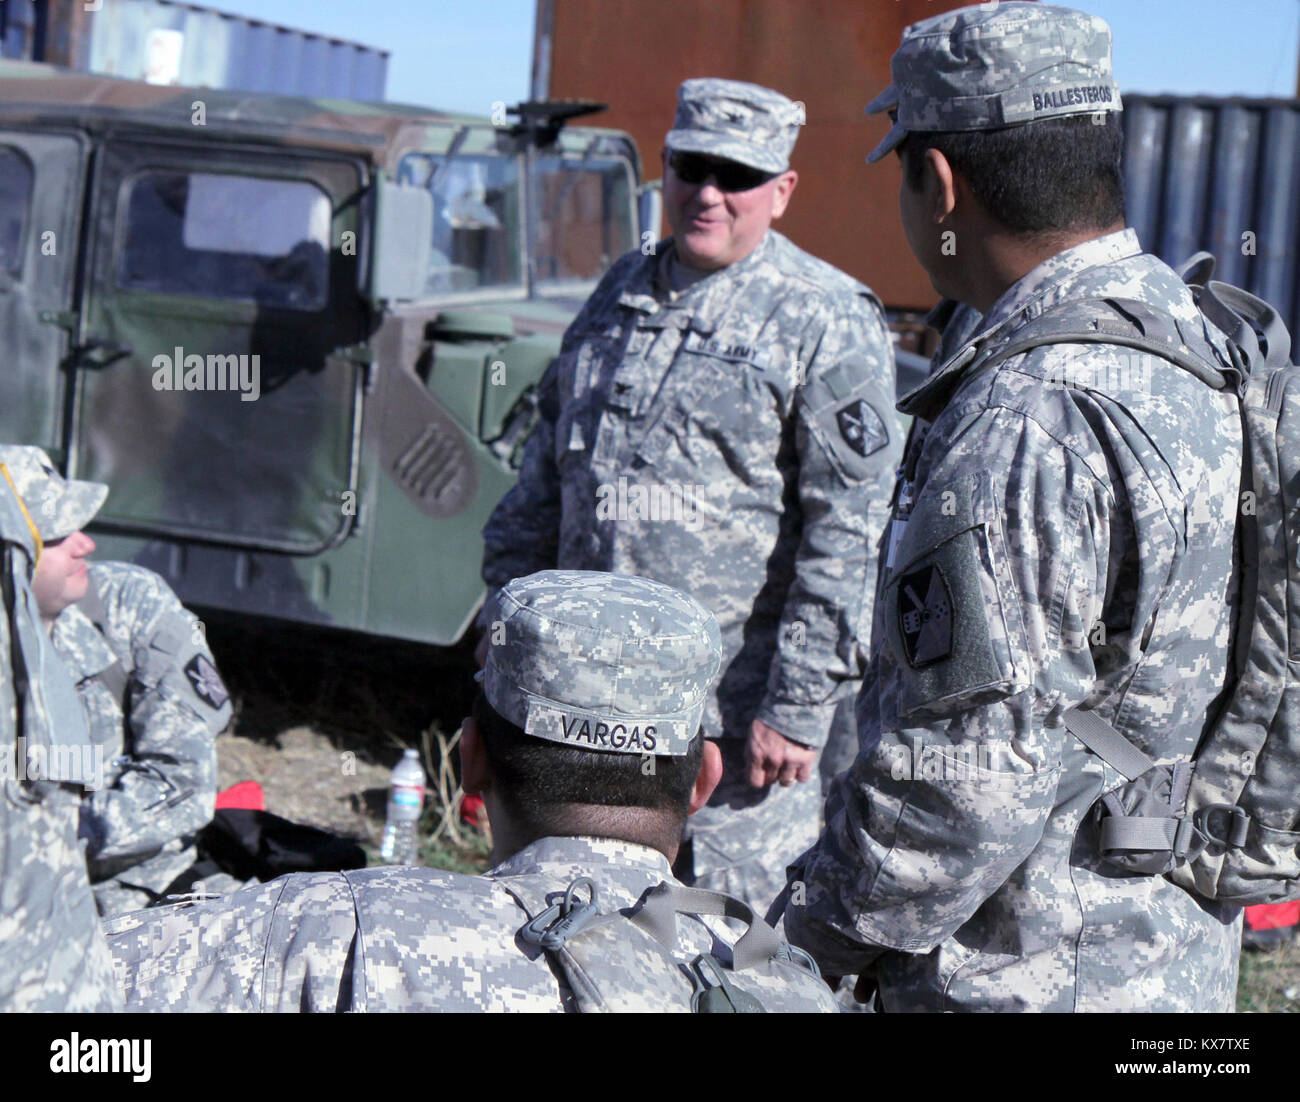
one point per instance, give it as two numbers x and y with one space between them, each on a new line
599 661
735 121
57 506
995 65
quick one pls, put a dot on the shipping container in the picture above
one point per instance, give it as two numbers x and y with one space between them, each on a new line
831 55
166 42
1217 174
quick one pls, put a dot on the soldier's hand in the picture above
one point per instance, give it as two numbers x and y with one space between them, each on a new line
770 756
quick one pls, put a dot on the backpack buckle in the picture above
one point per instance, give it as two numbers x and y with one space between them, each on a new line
562 920
714 993
1234 833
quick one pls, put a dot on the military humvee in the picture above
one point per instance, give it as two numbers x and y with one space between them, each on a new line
297 338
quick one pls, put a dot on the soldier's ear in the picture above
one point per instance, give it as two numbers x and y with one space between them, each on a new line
476 774
785 186
708 777
940 185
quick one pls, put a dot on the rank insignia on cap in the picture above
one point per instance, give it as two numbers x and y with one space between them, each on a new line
206 681
925 616
862 428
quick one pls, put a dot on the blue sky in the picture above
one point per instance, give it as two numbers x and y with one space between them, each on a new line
461 55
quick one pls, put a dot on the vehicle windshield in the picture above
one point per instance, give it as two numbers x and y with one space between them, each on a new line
476 220
586 219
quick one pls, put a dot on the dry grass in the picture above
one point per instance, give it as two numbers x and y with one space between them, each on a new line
1270 981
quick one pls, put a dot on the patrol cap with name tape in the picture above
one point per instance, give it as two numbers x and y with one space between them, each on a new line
991 66
57 506
607 662
735 121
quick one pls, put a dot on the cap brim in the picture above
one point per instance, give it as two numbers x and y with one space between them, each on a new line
81 501
726 149
891 141
883 102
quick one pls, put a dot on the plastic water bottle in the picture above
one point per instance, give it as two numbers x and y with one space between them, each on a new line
405 802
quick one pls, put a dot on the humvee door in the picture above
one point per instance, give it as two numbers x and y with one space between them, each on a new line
220 391
40 201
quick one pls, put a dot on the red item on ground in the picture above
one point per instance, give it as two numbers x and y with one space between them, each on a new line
472 810
1273 916
246 794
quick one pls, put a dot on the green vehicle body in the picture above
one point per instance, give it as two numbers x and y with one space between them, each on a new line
299 339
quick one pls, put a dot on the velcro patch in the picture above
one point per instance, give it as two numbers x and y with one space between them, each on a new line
925 616
208 686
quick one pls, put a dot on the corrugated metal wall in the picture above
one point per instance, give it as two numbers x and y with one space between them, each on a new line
178 43
1219 175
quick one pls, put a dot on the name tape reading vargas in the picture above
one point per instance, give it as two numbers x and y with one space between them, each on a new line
581 730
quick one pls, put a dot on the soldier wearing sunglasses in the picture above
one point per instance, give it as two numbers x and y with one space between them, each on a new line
720 418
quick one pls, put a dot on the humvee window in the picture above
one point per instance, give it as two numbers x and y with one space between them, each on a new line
476 221
224 236
585 225
15 195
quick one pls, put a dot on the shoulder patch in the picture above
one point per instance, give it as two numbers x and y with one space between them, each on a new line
861 427
925 616
207 683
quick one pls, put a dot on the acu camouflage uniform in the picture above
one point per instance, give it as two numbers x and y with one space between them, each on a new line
582 652
161 782
52 952
761 396
1063 536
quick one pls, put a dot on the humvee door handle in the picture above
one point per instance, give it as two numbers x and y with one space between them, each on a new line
101 353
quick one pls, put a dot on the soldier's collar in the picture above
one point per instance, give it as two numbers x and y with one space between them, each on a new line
571 850
708 299
79 643
1027 298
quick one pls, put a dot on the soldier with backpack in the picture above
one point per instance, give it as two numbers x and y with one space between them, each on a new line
150 689
586 746
1059 589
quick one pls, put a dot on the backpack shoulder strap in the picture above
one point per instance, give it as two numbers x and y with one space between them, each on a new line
628 960
114 678
1115 321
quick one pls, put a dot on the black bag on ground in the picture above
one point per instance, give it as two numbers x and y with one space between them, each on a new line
246 843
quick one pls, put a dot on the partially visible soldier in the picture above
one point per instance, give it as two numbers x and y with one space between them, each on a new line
52 952
150 690
585 744
720 418
1062 538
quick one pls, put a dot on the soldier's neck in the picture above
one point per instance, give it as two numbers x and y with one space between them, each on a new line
658 830
998 259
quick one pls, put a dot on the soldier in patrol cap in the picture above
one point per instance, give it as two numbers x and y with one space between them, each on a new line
585 745
720 418
52 952
149 688
1062 536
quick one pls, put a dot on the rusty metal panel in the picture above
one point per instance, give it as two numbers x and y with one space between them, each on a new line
169 42
1218 174
833 55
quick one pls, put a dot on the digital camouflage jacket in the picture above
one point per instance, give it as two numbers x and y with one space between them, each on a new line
1063 536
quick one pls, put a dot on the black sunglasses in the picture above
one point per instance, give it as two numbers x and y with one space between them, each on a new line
694 168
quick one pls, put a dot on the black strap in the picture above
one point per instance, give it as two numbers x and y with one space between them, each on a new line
22 683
